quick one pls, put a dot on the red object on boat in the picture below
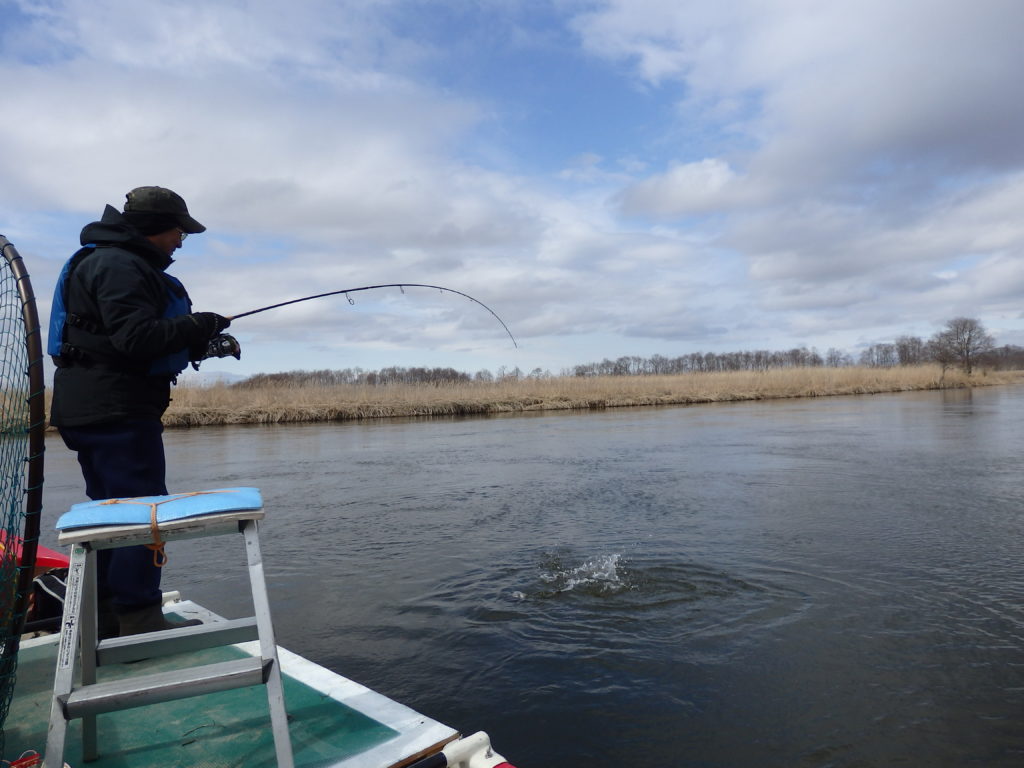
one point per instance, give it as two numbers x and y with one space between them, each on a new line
45 557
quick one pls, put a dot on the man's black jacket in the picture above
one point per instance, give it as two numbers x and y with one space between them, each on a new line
121 289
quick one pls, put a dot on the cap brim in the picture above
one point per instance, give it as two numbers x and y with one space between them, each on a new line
190 225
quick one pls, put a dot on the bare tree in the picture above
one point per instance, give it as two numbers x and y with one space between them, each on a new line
879 356
963 340
836 358
1005 358
910 350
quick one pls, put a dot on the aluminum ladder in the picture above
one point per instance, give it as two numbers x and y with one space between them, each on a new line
79 633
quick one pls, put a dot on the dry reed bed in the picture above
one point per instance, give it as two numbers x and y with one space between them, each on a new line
220 404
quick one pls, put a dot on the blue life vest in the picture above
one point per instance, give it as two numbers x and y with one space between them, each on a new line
178 304
58 309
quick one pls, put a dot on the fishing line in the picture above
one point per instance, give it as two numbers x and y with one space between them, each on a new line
400 286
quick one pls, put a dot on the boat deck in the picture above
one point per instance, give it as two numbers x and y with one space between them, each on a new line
333 721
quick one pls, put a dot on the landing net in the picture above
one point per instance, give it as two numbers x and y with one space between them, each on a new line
22 431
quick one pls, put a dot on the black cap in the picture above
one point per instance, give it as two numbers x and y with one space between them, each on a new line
162 201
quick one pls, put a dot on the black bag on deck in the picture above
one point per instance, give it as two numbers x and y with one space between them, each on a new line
46 605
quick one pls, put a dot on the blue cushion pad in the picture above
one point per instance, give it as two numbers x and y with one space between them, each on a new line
175 506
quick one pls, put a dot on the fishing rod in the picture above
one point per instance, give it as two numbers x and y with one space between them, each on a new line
400 286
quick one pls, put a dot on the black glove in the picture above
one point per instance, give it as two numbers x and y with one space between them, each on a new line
210 323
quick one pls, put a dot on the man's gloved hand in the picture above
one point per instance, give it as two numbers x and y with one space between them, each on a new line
210 323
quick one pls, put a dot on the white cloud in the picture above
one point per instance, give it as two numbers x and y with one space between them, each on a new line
701 187
848 169
838 82
862 146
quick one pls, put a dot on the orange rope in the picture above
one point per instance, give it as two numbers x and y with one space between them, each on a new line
159 555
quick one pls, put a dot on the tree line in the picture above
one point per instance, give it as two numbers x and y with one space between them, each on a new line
962 342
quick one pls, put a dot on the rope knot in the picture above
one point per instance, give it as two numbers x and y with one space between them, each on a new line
160 558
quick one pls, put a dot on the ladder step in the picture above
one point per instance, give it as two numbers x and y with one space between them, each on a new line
165 686
120 650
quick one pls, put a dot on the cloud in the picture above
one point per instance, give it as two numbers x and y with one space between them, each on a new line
860 149
780 170
705 186
869 92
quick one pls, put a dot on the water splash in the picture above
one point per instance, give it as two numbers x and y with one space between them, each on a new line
600 575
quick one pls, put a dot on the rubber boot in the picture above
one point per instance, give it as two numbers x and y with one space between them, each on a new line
149 619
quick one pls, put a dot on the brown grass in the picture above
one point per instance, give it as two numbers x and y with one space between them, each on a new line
220 404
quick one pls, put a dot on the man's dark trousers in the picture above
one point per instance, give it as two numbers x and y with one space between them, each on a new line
123 460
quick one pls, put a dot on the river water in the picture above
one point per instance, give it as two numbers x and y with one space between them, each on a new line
818 582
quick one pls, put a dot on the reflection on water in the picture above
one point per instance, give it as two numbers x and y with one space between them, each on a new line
829 582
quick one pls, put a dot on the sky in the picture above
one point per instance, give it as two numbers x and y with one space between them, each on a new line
618 177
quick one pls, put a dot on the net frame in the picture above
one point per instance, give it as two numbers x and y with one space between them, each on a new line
23 431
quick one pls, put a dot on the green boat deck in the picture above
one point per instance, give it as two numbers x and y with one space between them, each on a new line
333 721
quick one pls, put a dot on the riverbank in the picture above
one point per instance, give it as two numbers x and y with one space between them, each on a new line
221 404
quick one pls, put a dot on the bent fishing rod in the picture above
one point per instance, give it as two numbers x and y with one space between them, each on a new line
400 286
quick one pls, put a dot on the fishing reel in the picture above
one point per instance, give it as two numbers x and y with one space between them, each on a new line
221 345
224 345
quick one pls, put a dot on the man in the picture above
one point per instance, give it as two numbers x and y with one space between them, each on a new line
121 331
